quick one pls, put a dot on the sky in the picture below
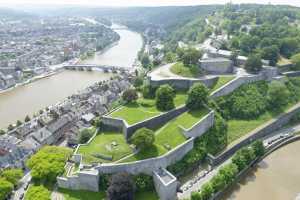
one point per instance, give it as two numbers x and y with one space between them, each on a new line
140 2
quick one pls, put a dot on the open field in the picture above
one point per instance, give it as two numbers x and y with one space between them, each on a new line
169 136
143 109
106 144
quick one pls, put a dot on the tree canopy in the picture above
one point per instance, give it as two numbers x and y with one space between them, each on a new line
130 95
253 63
143 138
48 163
121 187
5 188
197 96
12 175
164 97
38 192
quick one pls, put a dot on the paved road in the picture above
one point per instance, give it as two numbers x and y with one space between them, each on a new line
21 191
195 183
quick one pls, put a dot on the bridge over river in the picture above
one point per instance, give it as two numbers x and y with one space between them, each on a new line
90 67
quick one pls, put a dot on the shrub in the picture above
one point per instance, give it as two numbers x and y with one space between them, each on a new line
197 96
85 135
27 118
165 98
148 91
130 95
278 95
143 138
2 132
121 187
258 148
296 61
143 182
48 163
253 63
37 192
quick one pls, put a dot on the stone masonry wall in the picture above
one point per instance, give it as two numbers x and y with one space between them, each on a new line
259 133
183 84
201 127
149 165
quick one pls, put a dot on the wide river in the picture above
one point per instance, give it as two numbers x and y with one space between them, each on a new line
28 99
277 177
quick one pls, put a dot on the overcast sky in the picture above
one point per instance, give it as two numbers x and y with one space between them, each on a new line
143 2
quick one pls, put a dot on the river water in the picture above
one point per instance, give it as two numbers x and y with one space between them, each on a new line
277 177
28 99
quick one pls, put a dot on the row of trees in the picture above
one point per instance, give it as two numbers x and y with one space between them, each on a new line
227 174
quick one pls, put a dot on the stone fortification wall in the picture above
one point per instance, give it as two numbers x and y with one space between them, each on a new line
217 65
258 133
84 180
183 84
201 127
149 165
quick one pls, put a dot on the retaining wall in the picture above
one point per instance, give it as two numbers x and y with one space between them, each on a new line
152 123
84 180
149 165
201 127
183 84
259 133
234 84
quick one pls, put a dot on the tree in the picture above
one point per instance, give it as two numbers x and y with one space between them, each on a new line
10 127
27 118
197 96
289 46
253 63
278 94
191 56
121 187
48 163
38 192
5 188
143 138
130 95
85 135
19 123
271 53
206 191
234 57
258 148
138 81
164 97
12 175
146 61
2 132
296 61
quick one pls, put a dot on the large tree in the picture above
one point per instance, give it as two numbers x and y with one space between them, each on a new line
197 96
296 61
121 187
191 56
5 188
253 63
12 175
143 138
278 94
38 192
130 95
48 163
271 53
165 98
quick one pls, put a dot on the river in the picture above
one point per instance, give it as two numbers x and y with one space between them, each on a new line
28 99
277 177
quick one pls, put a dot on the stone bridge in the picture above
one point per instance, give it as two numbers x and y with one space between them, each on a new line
89 67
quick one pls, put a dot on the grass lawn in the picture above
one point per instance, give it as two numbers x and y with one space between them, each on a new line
238 128
102 145
169 136
283 61
143 109
82 195
182 70
220 82
88 195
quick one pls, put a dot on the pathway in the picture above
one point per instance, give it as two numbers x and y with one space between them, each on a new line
196 183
